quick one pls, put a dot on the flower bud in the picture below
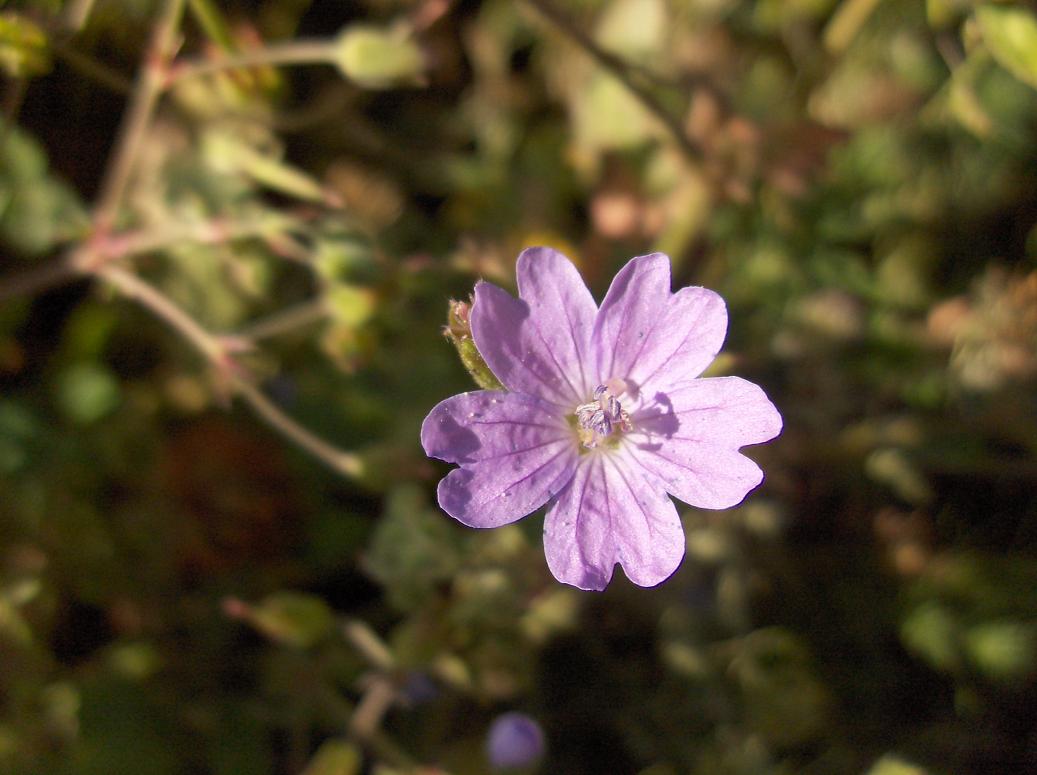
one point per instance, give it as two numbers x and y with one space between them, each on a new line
515 740
459 331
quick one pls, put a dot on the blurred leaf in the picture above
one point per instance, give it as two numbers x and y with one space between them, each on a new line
1010 33
123 728
37 210
61 704
18 427
86 392
932 633
846 22
293 618
1003 650
634 28
209 18
13 627
607 116
335 757
23 47
379 58
351 305
896 470
894 765
136 661
945 13
786 702
414 551
229 151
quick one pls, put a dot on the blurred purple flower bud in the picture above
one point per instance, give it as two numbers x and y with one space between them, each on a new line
419 688
515 740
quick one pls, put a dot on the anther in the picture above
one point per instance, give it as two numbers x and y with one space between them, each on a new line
600 417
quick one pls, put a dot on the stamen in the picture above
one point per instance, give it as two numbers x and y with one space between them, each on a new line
599 418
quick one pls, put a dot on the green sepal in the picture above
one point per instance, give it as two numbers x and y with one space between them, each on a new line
459 331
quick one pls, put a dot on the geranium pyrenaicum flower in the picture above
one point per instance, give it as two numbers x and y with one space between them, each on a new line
604 414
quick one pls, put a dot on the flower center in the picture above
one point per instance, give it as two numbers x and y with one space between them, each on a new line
598 419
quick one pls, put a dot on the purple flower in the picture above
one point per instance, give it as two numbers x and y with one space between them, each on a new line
515 740
603 416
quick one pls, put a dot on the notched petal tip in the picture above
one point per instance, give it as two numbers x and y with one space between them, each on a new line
613 513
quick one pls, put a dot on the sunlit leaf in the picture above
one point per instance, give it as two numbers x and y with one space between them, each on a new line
23 46
1010 33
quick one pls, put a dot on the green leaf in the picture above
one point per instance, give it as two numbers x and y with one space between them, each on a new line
1011 35
335 757
378 58
930 631
634 28
23 47
414 551
36 210
293 618
606 116
894 765
18 428
1003 650
87 392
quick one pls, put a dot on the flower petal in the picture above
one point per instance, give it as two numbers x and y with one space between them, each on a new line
564 308
628 314
689 438
538 344
515 450
612 513
684 341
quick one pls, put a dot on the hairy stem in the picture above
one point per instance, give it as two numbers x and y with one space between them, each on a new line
143 100
302 314
38 280
296 52
97 71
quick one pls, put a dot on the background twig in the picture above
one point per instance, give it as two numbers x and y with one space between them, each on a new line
622 70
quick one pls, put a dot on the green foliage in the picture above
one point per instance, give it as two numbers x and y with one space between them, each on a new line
23 47
1011 35
37 210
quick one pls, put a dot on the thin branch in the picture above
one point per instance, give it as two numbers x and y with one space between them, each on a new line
143 100
94 254
296 52
378 743
37 280
160 305
302 314
623 71
91 68
215 351
75 15
368 644
215 231
346 463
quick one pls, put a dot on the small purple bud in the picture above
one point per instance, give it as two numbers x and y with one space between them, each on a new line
418 688
515 740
